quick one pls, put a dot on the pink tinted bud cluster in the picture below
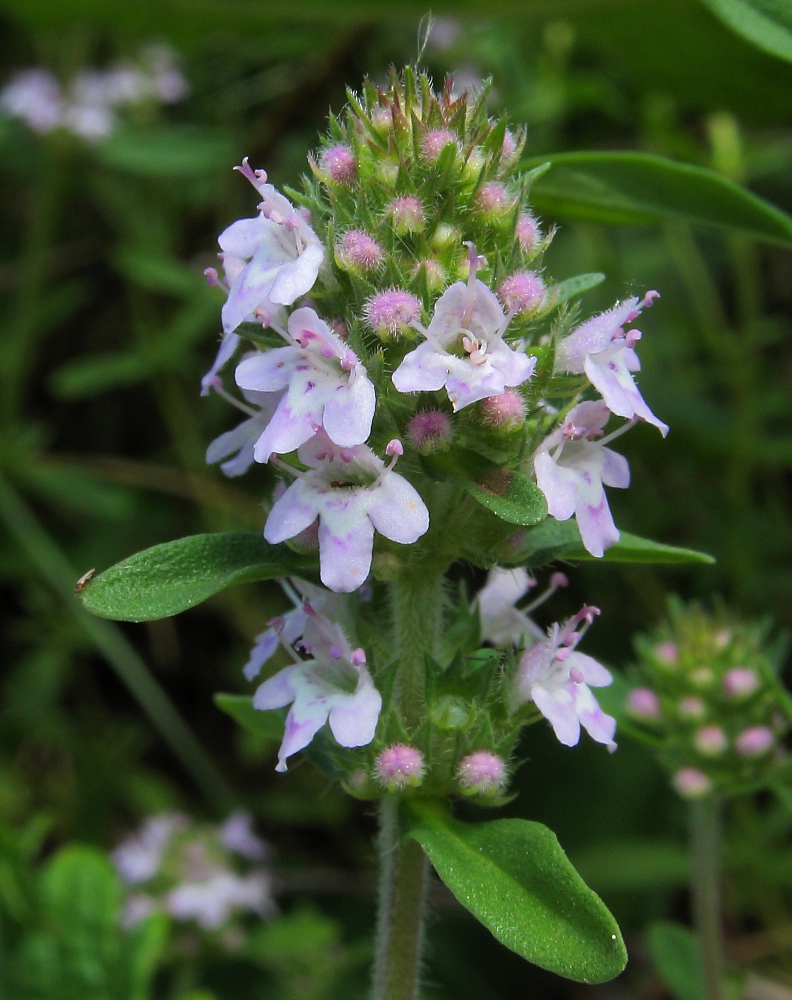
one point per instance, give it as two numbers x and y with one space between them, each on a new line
692 708
740 682
481 773
644 703
407 215
429 430
527 232
755 741
710 741
339 164
433 143
691 783
392 312
506 411
493 199
399 767
522 293
361 251
509 147
667 653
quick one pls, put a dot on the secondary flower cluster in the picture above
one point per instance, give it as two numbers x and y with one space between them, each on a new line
192 872
89 106
710 701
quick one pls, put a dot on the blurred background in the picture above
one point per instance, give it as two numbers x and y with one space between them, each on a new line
106 325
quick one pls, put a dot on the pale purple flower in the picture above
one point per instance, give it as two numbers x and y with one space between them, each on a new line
334 686
322 384
407 215
235 448
228 348
290 626
270 260
359 250
353 493
692 708
34 95
238 836
558 680
213 900
493 199
139 858
601 348
464 348
667 653
400 766
572 467
502 623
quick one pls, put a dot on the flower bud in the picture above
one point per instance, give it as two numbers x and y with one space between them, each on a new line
740 682
755 741
493 200
390 313
433 144
509 147
702 677
407 215
691 783
339 164
400 767
429 431
644 703
359 251
444 236
388 172
667 653
474 164
506 411
434 273
481 773
527 232
522 293
710 741
692 708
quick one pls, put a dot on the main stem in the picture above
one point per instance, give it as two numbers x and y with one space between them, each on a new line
400 923
705 890
416 605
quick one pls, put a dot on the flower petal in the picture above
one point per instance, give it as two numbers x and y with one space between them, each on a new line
398 512
350 411
353 720
297 277
225 352
423 370
267 371
345 548
292 513
558 707
277 691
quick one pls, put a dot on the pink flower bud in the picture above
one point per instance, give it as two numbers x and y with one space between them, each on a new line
392 312
644 703
667 653
481 773
339 326
433 143
506 411
691 783
493 199
710 741
400 767
740 682
522 293
755 741
509 147
559 580
429 430
407 215
527 232
339 164
692 708
359 250
435 275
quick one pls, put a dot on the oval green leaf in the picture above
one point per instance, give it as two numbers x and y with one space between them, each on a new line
640 188
765 23
268 724
510 495
514 877
169 578
554 540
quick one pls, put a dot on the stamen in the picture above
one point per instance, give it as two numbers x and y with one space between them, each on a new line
556 580
255 177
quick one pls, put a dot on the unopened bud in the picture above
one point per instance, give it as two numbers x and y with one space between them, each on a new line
506 411
339 164
400 767
691 783
481 773
644 703
755 741
429 431
522 293
667 653
710 741
527 232
359 251
433 144
392 312
692 708
434 273
407 215
494 200
740 682
445 236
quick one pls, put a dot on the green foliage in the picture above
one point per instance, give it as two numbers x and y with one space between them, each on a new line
514 877
631 189
174 576
268 725
676 955
765 23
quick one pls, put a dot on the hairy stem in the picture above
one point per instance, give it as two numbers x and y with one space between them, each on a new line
705 891
400 922
416 600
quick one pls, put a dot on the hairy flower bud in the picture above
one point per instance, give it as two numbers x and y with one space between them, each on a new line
527 232
360 252
522 293
692 708
691 783
392 312
644 703
407 215
755 741
710 741
506 411
433 144
740 682
667 653
433 272
400 767
338 162
429 431
493 200
481 773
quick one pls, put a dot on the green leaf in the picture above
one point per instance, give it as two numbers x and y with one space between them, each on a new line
240 707
766 23
169 578
640 188
554 540
676 955
515 878
510 495
571 288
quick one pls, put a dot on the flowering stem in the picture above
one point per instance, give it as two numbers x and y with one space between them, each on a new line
705 891
416 601
400 922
